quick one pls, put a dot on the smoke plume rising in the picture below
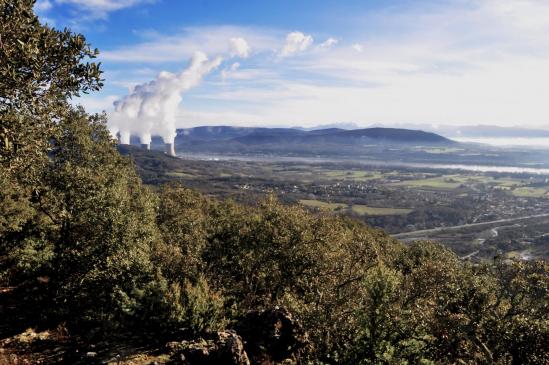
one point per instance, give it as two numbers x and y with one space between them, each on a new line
151 108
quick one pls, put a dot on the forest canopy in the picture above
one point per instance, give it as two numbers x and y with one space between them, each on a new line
86 249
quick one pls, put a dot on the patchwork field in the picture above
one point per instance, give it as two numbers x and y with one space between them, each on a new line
454 181
375 211
530 192
322 205
352 175
359 209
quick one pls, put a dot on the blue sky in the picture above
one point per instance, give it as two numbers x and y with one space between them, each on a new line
448 62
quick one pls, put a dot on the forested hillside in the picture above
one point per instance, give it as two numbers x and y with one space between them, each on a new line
96 267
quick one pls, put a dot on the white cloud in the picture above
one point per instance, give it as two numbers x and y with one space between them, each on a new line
464 62
230 70
239 47
358 47
178 47
485 63
296 42
256 75
43 5
328 43
96 103
101 8
524 14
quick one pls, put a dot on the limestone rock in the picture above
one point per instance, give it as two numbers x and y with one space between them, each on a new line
224 348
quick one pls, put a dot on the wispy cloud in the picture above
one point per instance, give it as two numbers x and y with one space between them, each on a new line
179 47
43 5
102 8
458 61
328 43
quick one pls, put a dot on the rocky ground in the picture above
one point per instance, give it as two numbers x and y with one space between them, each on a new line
261 337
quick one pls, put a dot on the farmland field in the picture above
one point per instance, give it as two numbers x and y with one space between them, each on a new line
373 211
322 205
529 192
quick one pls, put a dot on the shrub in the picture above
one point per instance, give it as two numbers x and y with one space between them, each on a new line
196 308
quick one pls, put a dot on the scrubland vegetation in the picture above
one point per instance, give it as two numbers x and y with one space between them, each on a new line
90 254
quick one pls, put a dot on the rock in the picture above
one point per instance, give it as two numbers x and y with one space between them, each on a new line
224 348
273 336
91 358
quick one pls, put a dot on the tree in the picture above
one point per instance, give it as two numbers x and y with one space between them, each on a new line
76 211
183 221
104 222
40 69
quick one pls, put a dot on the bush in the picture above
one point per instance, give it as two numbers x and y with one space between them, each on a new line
196 307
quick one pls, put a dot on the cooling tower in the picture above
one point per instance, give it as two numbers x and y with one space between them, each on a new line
124 137
170 149
146 146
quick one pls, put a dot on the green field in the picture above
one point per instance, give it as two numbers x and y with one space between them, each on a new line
180 174
358 208
322 205
450 182
352 175
526 192
366 210
508 182
441 182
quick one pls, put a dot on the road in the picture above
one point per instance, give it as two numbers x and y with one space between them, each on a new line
466 257
454 228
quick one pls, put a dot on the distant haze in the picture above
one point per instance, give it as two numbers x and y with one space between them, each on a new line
509 142
494 135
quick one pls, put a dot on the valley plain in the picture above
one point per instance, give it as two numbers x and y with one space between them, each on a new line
480 212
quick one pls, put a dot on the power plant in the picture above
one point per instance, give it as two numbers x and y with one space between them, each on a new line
124 139
169 149
151 108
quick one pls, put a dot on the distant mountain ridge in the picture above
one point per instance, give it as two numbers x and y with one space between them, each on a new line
473 131
261 136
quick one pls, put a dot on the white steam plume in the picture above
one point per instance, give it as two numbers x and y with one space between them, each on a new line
151 107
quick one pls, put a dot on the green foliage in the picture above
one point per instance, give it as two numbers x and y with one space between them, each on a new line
75 210
40 69
384 335
32 257
196 307
104 220
273 254
182 220
375 320
39 61
15 209
362 297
